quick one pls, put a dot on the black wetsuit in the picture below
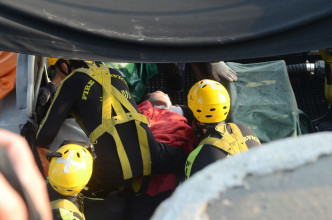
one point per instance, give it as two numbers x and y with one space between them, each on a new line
209 153
86 104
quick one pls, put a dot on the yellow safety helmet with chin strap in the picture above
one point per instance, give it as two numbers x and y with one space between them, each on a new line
70 171
52 61
209 101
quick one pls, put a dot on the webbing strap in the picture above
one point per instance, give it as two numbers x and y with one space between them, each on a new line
102 76
190 160
140 188
125 102
66 204
118 119
126 168
112 98
145 151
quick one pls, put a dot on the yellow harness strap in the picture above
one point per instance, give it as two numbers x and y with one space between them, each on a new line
67 205
231 143
112 98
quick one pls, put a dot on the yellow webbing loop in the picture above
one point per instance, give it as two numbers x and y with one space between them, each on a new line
231 143
66 204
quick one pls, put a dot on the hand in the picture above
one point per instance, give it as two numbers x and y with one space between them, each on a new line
12 205
221 69
46 93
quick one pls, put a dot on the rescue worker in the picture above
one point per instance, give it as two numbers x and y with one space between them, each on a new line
210 104
69 171
99 98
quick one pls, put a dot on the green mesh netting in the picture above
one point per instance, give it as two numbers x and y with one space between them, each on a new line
263 99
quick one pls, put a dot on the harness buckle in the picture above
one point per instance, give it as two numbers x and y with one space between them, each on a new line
224 130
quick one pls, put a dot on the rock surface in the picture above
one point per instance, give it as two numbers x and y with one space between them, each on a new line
284 179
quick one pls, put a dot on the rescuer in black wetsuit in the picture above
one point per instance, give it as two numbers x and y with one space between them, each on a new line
210 103
99 98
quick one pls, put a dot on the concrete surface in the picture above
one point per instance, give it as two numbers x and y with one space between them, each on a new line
285 179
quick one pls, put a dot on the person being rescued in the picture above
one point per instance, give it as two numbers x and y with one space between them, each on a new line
99 98
210 103
160 99
170 124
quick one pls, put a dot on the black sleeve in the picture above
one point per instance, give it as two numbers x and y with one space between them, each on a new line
46 93
188 114
249 136
44 100
57 113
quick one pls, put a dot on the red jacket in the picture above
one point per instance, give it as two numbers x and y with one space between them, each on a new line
170 128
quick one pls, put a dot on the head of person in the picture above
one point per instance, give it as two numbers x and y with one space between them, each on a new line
209 101
58 67
70 169
65 66
159 98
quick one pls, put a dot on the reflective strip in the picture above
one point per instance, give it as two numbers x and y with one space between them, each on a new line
67 205
190 160
69 161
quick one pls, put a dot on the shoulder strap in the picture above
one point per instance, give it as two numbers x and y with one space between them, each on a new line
231 143
239 138
190 160
67 205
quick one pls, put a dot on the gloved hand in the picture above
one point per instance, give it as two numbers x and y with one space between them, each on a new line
45 93
221 69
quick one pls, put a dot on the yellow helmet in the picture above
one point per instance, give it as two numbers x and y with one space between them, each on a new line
69 173
52 61
209 101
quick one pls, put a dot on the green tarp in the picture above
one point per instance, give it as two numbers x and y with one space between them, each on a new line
263 99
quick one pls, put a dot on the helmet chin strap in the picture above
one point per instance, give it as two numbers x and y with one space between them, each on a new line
198 129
